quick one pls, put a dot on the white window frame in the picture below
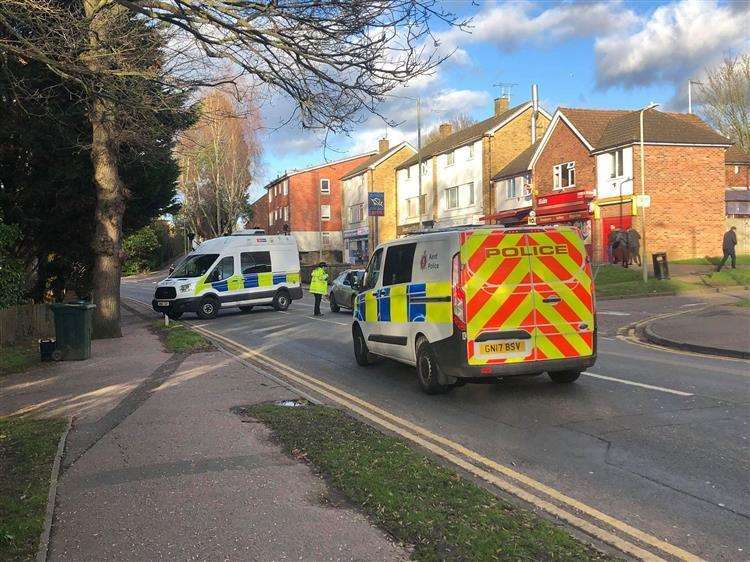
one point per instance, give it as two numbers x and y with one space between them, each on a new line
270 218
327 188
325 239
470 188
557 175
325 212
736 169
450 158
471 152
425 167
286 213
356 213
448 194
616 159
418 208
270 195
285 187
510 188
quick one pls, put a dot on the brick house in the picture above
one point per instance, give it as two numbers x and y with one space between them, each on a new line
307 204
362 233
457 169
738 196
260 213
587 169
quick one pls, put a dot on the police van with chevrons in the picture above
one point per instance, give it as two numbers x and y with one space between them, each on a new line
243 270
478 303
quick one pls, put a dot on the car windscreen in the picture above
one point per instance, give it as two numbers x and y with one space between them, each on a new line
195 265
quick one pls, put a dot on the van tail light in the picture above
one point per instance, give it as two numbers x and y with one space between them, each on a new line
458 295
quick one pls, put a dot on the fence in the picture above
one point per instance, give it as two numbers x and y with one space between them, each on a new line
24 322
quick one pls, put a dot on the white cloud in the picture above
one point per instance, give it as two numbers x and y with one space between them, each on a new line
509 25
675 43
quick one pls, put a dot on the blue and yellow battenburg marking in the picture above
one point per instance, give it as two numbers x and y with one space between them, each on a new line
404 303
250 281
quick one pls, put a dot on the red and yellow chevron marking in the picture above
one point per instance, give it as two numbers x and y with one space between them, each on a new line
505 288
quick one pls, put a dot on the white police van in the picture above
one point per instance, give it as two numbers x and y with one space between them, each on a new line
243 270
477 303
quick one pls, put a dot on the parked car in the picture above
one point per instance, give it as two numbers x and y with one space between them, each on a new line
343 293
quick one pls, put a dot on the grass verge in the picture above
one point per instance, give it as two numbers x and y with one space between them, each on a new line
27 451
412 497
743 303
639 288
177 338
17 358
728 277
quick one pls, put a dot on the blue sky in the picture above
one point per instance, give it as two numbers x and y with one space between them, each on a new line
614 54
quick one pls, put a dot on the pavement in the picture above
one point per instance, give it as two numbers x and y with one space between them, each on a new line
652 437
716 330
158 467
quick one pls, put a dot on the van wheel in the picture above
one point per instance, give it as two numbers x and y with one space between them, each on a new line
427 369
246 307
564 376
208 308
361 352
282 300
332 302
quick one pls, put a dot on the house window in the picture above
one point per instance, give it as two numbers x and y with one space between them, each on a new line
425 168
325 186
450 158
325 212
469 189
285 187
356 213
415 205
270 195
451 198
408 173
471 152
736 170
270 218
616 168
325 239
510 188
564 175
286 213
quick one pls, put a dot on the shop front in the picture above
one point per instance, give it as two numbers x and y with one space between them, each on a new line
572 208
356 245
511 217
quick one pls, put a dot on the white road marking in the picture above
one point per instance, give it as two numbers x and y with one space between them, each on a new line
692 304
612 313
639 384
315 318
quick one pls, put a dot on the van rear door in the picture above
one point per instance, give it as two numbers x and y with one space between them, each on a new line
499 296
563 293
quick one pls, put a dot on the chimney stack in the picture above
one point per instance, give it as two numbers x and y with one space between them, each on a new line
534 110
383 146
501 105
445 130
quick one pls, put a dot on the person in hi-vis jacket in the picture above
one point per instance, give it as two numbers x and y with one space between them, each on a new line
319 285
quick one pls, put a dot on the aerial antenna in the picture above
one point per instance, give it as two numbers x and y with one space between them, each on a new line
505 89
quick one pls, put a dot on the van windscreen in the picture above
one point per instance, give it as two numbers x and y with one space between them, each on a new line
195 265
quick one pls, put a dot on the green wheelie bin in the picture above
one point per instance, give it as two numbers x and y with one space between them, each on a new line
72 330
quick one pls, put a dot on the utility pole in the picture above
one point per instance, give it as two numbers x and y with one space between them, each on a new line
419 162
690 94
643 193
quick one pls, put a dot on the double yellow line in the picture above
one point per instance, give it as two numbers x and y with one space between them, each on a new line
527 489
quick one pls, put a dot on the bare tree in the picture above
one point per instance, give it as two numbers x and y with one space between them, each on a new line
725 99
334 58
458 122
218 159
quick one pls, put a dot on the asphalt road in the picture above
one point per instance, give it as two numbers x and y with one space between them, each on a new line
670 458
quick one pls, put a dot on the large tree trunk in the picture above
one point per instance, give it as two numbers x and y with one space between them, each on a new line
110 201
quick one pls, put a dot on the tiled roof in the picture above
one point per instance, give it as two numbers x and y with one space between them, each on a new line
591 123
608 128
362 167
735 155
519 165
462 137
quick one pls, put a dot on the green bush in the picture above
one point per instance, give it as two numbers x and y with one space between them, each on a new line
12 275
142 249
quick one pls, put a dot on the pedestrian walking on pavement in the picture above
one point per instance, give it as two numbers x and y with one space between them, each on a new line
634 245
727 247
319 285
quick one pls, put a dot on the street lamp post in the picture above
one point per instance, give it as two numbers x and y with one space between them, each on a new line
643 193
